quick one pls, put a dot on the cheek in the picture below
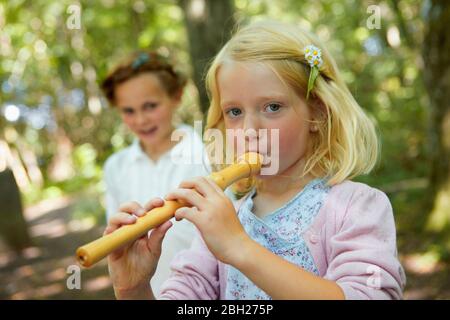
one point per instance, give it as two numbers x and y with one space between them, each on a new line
163 114
294 138
128 120
231 123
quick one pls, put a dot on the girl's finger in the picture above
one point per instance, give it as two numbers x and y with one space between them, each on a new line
200 184
190 214
108 230
153 203
156 237
191 196
119 219
118 222
213 185
130 207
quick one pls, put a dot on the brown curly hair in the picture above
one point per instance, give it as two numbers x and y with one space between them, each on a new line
141 62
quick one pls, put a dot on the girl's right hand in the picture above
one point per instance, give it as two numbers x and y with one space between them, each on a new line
132 267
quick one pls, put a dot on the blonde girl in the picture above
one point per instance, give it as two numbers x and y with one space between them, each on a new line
305 232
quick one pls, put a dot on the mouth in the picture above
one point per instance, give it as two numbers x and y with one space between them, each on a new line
148 132
266 157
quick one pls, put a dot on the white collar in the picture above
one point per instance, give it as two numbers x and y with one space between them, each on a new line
136 151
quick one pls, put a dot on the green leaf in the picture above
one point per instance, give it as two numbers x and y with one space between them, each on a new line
312 78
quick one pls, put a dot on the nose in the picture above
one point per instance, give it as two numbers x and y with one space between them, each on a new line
251 127
141 118
251 122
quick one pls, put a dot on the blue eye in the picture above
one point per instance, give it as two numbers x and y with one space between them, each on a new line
272 107
234 112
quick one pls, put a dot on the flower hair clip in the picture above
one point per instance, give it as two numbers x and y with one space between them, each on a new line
314 57
140 60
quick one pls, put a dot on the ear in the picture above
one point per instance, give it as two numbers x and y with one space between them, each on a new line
318 114
320 109
177 96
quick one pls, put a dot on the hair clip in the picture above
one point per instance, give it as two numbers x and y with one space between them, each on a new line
140 60
313 56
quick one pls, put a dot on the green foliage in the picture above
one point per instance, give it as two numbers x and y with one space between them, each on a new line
381 66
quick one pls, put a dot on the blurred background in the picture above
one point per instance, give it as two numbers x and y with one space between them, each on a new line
56 129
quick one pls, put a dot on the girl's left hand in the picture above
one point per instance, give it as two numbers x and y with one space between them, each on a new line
214 216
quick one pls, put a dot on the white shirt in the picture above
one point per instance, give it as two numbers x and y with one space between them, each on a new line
130 175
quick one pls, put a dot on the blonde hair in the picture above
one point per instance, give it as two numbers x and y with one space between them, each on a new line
346 144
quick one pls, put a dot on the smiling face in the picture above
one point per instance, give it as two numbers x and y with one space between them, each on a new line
146 108
253 97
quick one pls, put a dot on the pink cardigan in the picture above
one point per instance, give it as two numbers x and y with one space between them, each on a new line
352 241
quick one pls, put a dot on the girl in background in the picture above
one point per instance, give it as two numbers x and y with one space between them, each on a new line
146 90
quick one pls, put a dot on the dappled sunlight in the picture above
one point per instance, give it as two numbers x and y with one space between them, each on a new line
6 257
31 253
440 216
40 271
69 260
52 229
98 283
422 263
419 294
81 224
50 290
39 293
56 275
24 272
46 206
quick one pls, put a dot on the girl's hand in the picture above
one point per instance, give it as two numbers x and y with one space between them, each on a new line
214 216
132 267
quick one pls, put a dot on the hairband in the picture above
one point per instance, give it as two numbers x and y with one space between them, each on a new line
140 60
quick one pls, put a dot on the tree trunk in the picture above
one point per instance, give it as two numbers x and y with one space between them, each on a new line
436 55
209 25
13 227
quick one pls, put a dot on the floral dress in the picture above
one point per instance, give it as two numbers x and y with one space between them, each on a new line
280 232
